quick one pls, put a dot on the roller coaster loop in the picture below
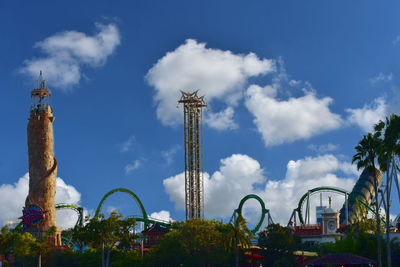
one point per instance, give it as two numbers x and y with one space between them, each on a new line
134 196
263 211
313 191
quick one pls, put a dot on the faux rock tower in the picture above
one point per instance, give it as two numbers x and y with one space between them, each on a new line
39 213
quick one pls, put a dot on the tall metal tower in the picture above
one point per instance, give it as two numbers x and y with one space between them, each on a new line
193 140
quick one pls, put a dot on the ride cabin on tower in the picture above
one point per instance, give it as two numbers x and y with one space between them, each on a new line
39 213
193 141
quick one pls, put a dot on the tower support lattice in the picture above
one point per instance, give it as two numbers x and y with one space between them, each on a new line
193 142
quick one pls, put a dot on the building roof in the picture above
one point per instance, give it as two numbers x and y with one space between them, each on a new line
337 259
155 228
308 230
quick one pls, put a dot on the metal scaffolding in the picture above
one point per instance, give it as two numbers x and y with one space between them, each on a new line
193 141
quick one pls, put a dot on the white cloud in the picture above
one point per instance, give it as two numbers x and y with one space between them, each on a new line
236 176
175 188
65 53
240 175
322 149
218 74
285 121
67 194
381 78
12 199
126 146
168 155
132 166
369 115
163 215
222 120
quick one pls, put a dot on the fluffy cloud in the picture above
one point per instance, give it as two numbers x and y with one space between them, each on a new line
281 121
236 176
367 116
12 199
218 74
163 215
222 120
240 175
66 52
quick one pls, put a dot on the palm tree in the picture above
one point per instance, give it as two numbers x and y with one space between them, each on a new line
390 148
238 235
367 150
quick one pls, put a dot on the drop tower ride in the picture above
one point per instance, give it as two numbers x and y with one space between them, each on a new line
39 213
193 141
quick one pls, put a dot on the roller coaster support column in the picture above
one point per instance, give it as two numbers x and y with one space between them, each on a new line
270 221
308 208
293 218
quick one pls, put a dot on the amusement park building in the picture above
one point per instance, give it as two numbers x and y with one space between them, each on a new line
321 233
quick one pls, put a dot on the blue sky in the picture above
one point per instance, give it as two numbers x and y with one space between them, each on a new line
291 85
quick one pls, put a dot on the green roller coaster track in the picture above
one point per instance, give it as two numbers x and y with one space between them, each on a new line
313 191
122 190
76 208
145 219
263 210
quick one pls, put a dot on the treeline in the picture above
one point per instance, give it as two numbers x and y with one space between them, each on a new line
111 242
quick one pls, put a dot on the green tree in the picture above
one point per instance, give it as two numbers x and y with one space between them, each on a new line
362 222
23 249
6 239
106 234
196 242
366 152
359 237
29 250
390 148
356 242
127 234
126 258
80 237
42 247
237 235
278 243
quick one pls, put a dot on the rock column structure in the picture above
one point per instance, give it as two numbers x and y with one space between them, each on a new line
42 166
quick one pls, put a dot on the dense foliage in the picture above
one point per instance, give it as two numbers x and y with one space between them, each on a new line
278 243
199 243
111 242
